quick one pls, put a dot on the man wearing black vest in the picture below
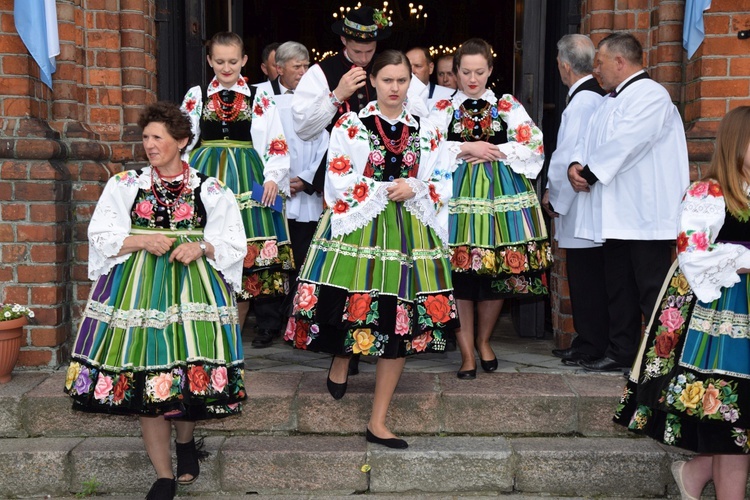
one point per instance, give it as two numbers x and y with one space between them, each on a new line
584 259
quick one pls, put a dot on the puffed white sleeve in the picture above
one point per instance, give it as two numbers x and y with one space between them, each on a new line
110 224
192 105
524 150
312 106
354 199
269 140
224 230
433 186
707 265
441 115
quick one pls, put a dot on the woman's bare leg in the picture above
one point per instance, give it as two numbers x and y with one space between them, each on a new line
387 374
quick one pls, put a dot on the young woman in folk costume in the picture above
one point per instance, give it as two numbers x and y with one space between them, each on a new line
239 140
498 239
376 280
690 384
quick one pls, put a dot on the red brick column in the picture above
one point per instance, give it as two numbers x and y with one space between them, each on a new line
57 149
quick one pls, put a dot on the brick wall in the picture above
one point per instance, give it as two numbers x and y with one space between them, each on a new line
704 88
57 149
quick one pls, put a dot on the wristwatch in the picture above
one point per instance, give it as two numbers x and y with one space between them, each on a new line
202 245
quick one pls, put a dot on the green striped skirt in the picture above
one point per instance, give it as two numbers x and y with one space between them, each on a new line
381 290
159 338
269 252
498 238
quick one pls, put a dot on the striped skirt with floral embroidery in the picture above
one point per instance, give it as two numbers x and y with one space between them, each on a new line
269 252
159 338
690 384
498 238
381 290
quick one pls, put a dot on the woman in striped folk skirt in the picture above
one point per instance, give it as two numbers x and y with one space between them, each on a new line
238 138
159 337
498 238
376 280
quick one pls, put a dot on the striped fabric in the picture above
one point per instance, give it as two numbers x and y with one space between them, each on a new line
149 322
238 165
382 290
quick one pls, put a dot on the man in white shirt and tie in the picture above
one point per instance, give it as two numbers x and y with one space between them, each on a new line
422 67
584 259
631 170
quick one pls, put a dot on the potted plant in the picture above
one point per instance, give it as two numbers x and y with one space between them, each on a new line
13 317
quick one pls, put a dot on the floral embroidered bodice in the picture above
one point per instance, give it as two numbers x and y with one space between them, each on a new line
477 120
382 163
159 207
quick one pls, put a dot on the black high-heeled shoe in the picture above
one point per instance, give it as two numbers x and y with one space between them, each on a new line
162 489
189 456
336 390
397 443
354 365
467 374
488 366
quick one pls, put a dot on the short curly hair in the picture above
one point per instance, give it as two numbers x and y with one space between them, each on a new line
176 122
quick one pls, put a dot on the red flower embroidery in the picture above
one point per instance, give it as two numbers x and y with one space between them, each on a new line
682 242
120 388
252 285
190 105
241 82
438 307
369 170
434 196
352 131
433 144
359 306
714 190
504 105
340 165
442 104
340 207
300 334
523 133
252 254
198 379
460 258
360 192
265 101
215 83
258 110
278 147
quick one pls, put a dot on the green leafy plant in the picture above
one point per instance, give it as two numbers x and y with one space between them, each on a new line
14 311
89 488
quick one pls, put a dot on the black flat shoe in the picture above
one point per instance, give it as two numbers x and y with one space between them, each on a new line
354 365
390 442
162 489
336 390
488 366
189 456
467 374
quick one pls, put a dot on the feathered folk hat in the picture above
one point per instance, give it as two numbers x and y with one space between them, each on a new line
364 24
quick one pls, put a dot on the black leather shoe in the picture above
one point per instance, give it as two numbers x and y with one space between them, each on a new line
264 338
353 365
390 442
604 364
467 374
565 353
336 390
488 366
189 456
162 489
576 359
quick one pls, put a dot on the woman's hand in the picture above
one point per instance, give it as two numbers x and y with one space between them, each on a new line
480 151
270 190
156 244
296 185
190 251
399 191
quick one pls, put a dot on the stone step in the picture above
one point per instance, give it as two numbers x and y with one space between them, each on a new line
310 465
288 403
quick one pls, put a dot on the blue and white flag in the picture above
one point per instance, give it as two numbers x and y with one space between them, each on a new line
693 31
36 23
